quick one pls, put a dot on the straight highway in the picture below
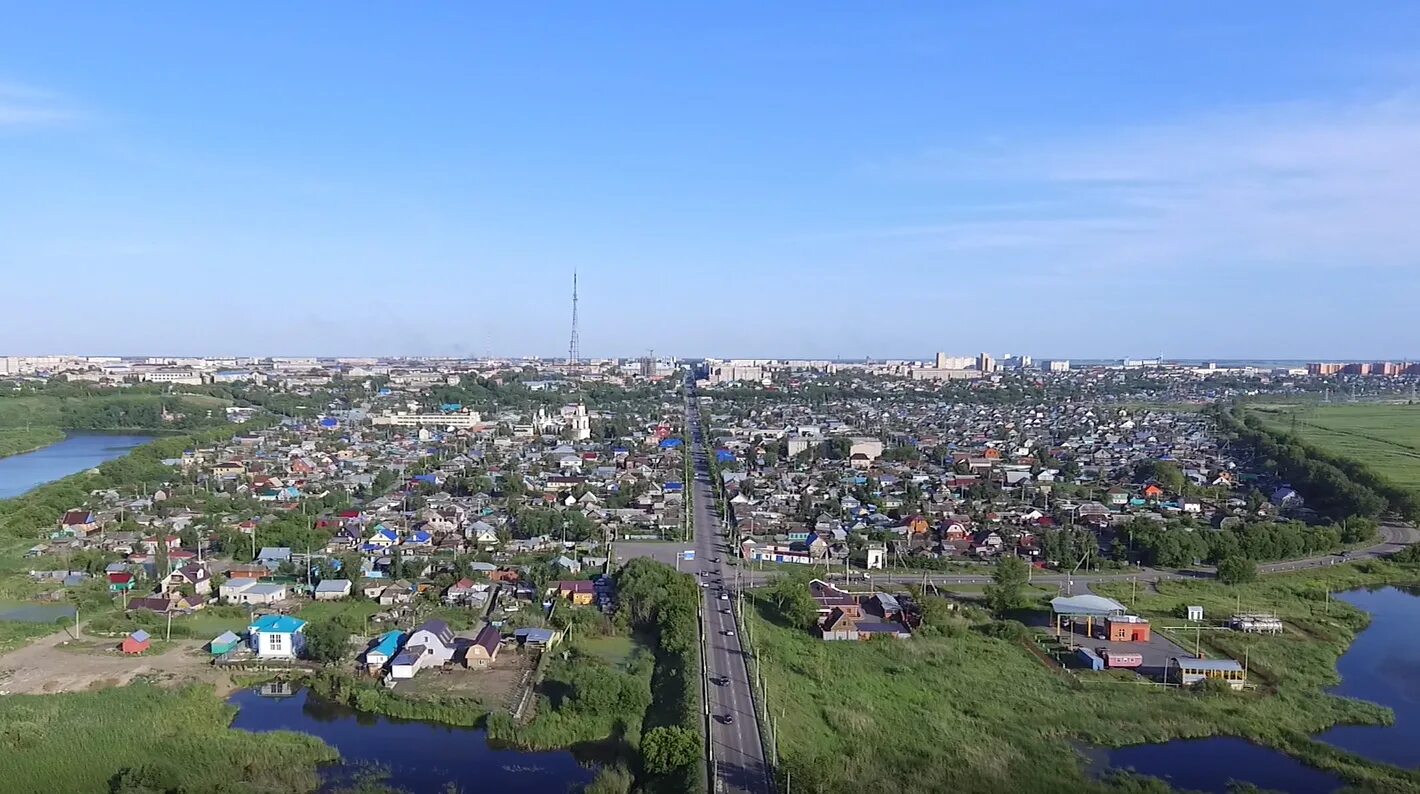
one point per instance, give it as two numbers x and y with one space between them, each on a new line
736 750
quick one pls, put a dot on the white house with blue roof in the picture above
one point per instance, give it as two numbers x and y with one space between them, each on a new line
277 636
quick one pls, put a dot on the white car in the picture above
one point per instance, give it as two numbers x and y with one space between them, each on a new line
724 597
729 632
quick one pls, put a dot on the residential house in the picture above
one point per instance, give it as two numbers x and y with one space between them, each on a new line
430 645
277 636
578 591
484 648
384 649
333 589
251 591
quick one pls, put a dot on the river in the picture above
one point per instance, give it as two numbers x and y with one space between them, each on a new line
78 452
419 756
1378 667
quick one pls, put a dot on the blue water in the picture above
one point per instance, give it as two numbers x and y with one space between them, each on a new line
1381 666
78 452
419 756
1210 764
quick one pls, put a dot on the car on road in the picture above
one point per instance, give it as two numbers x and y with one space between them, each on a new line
728 719
724 610
724 597
728 632
705 585
721 681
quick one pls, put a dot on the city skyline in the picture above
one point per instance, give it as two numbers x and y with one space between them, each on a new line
800 181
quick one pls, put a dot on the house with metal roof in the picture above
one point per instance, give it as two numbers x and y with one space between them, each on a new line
384 649
277 636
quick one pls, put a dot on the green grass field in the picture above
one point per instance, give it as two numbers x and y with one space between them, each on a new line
1385 437
18 440
157 739
971 712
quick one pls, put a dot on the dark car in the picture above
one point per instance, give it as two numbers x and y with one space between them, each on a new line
728 719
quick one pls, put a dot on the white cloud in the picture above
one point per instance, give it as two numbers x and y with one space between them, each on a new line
1306 185
26 106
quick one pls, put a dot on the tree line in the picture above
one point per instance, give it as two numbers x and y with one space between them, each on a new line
1335 486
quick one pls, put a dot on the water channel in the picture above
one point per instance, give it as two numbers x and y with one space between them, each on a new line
78 452
1378 667
419 756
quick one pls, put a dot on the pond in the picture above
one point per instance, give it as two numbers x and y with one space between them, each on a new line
34 613
1380 666
1210 764
78 452
419 756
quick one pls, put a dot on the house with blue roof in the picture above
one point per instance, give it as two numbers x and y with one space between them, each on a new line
277 636
384 537
384 649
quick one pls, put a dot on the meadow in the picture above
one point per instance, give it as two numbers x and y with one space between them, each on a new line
977 710
1384 437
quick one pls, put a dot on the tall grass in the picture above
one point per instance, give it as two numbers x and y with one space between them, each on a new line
145 737
973 712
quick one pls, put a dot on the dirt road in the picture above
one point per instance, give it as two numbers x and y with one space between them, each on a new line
59 663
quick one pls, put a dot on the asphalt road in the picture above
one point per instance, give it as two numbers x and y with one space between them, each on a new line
736 751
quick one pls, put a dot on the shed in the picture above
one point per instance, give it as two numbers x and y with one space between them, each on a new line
1194 612
226 643
137 642
1090 659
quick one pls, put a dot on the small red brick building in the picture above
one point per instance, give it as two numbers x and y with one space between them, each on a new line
1126 628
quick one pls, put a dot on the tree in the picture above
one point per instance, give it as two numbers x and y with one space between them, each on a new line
327 641
668 749
1008 581
1237 570
791 597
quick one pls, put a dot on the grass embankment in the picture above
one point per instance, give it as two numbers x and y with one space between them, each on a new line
142 738
18 440
1385 438
973 712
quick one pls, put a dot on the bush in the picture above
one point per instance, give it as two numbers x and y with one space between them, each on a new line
1211 687
1012 630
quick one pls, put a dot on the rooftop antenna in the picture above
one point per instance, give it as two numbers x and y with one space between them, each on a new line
573 354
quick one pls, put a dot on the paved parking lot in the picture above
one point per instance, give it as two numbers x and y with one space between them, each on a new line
661 551
1156 651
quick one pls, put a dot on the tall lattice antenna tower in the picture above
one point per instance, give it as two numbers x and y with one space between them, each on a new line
573 354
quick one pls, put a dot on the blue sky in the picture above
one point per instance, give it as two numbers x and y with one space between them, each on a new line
807 179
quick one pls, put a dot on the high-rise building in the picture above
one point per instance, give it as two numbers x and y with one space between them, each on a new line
1055 365
985 363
